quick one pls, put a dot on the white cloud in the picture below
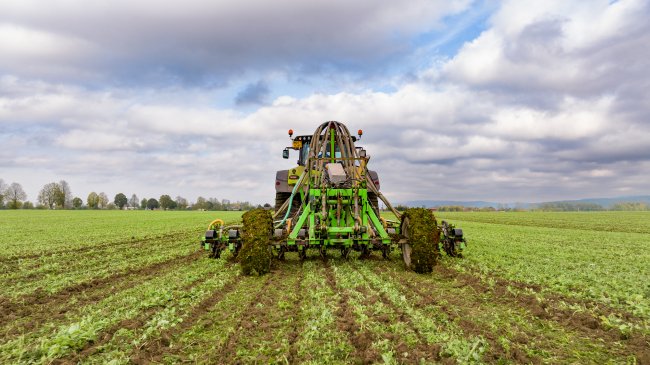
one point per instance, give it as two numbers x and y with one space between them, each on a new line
556 47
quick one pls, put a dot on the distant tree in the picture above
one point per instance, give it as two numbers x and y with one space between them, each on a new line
134 202
166 202
111 206
568 206
401 208
630 206
267 205
3 187
143 203
181 203
14 194
28 205
77 203
120 200
215 204
152 204
451 208
200 203
49 195
63 195
103 200
93 200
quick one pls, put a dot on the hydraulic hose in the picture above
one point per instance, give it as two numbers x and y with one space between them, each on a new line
289 201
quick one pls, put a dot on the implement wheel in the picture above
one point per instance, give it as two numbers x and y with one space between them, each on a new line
255 255
421 249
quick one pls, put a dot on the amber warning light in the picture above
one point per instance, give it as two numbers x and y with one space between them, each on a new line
360 132
290 132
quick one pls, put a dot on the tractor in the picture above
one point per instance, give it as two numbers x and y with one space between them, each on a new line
329 202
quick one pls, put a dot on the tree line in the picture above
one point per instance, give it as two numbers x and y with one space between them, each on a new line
544 207
58 195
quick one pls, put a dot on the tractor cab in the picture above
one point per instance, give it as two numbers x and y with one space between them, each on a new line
286 180
302 143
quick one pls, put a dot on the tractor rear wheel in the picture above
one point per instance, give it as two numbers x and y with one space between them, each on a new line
280 198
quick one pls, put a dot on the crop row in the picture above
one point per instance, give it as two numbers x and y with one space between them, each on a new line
604 267
162 295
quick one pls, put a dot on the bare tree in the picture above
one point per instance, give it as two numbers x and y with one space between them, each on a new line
134 202
64 198
103 200
181 203
49 195
15 195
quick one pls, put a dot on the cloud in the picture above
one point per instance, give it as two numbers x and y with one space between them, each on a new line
253 94
549 102
584 49
209 42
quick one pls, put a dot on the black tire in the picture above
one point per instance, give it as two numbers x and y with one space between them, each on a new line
280 198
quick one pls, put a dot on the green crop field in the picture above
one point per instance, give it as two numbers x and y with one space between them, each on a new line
133 287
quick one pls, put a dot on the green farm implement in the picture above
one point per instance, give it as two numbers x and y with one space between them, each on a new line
329 202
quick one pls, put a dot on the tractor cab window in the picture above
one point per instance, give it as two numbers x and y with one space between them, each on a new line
337 153
304 154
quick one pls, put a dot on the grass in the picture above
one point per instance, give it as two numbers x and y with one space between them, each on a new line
133 286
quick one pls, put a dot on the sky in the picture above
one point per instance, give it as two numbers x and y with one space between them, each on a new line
459 100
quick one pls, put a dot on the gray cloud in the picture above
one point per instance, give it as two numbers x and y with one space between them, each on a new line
256 93
207 42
